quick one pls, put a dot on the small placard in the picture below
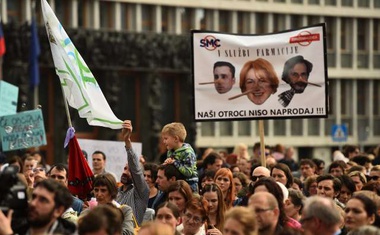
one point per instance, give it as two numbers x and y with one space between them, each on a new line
22 130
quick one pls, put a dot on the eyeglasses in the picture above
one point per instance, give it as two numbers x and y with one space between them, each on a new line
260 210
196 219
255 178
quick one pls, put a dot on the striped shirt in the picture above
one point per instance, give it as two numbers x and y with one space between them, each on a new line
137 194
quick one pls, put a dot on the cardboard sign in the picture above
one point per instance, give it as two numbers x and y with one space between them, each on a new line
22 130
114 151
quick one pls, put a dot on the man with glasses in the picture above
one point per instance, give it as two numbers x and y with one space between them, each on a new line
320 216
267 212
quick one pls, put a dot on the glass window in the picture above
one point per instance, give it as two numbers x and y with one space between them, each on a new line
311 20
261 22
165 19
313 2
224 21
244 128
62 11
84 14
376 35
207 129
279 127
376 3
207 20
199 17
296 21
148 14
187 16
376 97
329 123
313 127
363 3
362 34
226 128
106 15
296 126
330 2
243 22
331 96
346 97
128 16
347 3
14 11
297 1
362 97
330 33
278 22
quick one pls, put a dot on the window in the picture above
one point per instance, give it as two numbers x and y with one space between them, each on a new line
376 106
376 3
346 42
62 11
296 127
363 3
128 16
244 128
187 17
330 2
313 127
311 20
148 14
224 21
347 3
362 34
85 14
313 2
106 15
362 97
261 22
279 127
297 1
295 21
243 22
226 128
278 23
207 129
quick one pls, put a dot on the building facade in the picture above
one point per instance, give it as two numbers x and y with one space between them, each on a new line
353 56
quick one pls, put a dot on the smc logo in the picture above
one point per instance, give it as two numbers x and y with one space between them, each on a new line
210 42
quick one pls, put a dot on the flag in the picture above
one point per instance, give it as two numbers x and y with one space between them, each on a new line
34 69
80 87
80 175
2 41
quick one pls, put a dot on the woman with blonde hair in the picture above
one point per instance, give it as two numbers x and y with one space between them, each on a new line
214 196
241 221
224 179
155 228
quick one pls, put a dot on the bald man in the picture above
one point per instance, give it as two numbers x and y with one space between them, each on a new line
267 212
260 172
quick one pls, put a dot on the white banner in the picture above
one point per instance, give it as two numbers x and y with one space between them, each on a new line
79 85
279 75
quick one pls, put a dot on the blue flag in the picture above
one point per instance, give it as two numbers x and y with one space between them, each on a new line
34 70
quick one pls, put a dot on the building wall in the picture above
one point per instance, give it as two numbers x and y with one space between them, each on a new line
353 43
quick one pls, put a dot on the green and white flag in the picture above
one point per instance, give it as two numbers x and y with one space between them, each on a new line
79 85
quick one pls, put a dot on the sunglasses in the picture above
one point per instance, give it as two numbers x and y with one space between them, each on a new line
254 177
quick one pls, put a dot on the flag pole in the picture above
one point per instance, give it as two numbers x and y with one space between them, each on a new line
262 145
66 108
35 87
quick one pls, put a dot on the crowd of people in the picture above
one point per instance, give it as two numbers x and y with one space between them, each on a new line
217 193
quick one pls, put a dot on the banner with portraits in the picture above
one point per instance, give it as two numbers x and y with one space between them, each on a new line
268 76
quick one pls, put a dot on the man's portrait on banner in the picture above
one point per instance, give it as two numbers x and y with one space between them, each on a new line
224 76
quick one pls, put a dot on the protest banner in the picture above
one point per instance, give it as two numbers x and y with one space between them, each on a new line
8 98
270 76
22 130
114 150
